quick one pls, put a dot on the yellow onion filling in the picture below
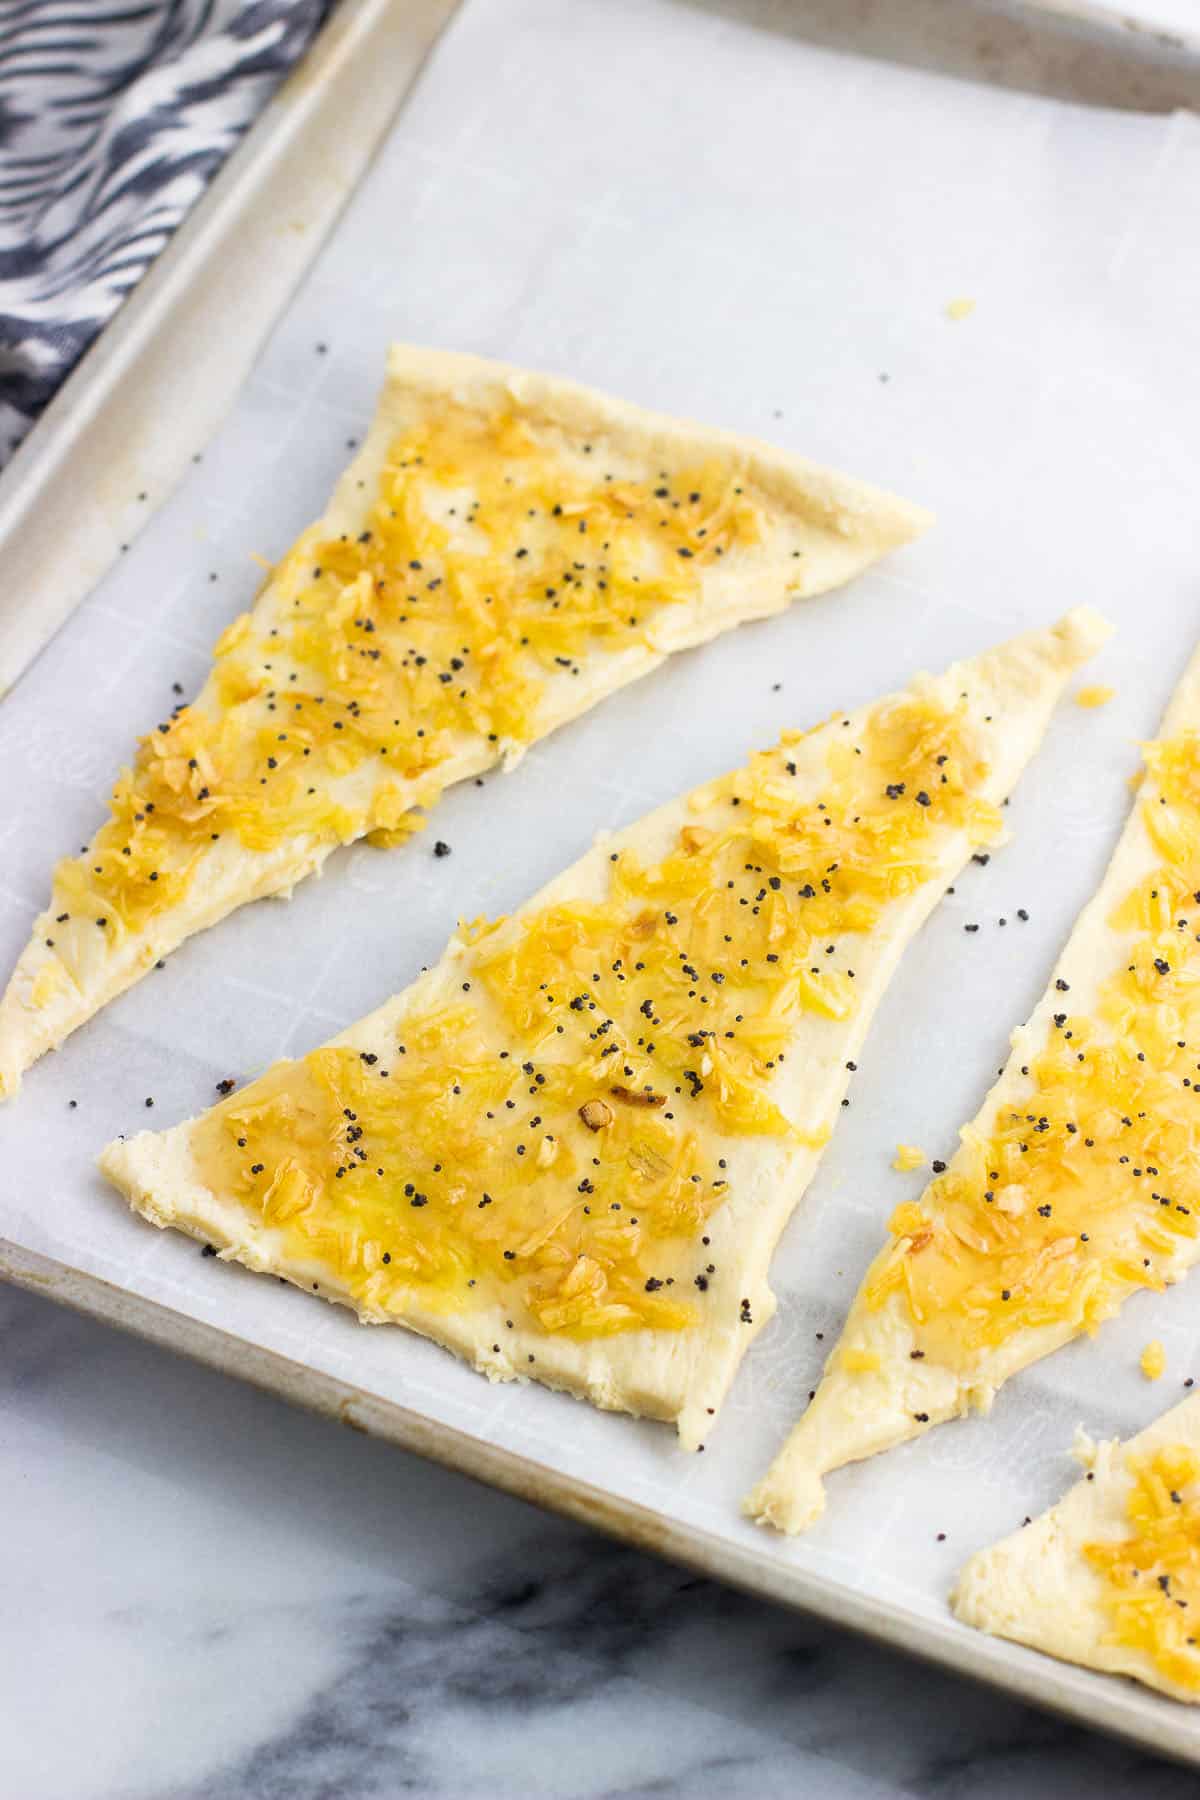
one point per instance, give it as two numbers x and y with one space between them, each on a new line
554 1141
1086 1187
1151 1577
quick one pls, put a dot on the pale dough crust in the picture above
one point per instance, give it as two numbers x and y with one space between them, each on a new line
672 1375
1036 1586
822 529
856 1412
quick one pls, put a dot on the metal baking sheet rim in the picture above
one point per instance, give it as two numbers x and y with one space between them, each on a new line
1033 1678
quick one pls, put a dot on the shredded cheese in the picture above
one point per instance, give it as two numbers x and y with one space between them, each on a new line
1087 1184
554 1137
1151 1576
496 559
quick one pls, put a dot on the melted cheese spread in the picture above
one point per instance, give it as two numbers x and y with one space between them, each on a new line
549 1130
1084 1188
1151 1576
490 560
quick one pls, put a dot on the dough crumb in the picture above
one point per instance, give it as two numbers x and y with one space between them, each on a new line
959 309
909 1156
1084 1448
1154 1360
1095 695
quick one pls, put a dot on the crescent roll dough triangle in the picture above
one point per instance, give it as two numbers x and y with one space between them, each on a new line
1110 1577
1075 1184
505 550
567 1151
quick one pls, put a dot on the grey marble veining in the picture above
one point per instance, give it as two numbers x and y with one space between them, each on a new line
209 1596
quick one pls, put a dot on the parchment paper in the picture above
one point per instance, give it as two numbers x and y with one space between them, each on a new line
713 218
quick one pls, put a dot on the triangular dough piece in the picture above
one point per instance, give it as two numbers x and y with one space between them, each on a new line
504 551
1075 1184
1110 1577
568 1150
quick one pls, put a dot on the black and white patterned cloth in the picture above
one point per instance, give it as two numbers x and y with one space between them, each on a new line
113 117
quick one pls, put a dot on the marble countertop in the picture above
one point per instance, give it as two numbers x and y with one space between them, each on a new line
210 1596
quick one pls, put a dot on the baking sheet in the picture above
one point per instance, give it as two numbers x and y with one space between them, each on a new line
698 210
